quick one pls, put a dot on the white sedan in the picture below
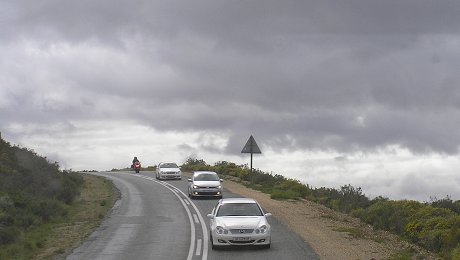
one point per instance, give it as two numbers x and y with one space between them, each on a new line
168 170
239 221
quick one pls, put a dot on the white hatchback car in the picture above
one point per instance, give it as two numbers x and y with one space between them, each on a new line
239 221
168 170
205 183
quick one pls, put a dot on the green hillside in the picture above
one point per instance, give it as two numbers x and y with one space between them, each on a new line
33 193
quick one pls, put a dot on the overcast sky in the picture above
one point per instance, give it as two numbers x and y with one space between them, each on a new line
335 92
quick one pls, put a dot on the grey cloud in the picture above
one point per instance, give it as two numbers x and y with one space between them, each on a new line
416 185
236 23
354 75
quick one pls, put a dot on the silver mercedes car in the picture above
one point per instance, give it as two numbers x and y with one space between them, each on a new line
239 221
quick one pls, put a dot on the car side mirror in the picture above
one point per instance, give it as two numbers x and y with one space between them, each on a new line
189 180
221 180
211 216
268 214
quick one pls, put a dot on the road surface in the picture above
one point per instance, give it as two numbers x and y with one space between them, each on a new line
156 220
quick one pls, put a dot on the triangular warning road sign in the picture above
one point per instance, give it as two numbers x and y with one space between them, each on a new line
251 146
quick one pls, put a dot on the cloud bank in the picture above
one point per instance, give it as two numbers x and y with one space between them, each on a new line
342 79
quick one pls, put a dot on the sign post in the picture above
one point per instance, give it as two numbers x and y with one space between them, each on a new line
251 147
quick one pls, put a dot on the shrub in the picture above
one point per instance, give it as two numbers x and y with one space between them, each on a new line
445 203
389 215
436 229
284 195
195 165
33 191
9 235
456 253
49 209
70 187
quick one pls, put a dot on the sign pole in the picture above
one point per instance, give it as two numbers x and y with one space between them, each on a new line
251 162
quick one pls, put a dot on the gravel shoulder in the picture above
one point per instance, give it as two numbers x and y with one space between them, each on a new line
331 234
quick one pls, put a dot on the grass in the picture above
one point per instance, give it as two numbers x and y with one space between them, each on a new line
97 198
407 254
55 239
352 232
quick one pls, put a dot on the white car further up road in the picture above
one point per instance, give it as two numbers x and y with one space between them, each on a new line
167 171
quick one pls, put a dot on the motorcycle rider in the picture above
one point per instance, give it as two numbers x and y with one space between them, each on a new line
134 161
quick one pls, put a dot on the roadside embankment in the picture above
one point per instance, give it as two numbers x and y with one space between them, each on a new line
331 234
96 199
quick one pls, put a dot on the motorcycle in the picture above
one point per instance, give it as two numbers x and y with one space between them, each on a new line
137 167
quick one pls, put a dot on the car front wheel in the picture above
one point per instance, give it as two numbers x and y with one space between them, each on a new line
213 247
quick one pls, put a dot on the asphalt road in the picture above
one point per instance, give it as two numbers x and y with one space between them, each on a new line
156 220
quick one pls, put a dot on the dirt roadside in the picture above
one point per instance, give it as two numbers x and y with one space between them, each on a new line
331 234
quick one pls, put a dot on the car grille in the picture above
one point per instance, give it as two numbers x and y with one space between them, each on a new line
242 242
207 192
241 231
168 177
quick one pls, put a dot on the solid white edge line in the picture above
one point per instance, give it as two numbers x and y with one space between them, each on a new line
203 224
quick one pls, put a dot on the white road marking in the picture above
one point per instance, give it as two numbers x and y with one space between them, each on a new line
185 202
204 229
196 219
192 226
198 247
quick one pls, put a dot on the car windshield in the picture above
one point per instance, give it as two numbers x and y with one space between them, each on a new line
206 177
239 209
169 165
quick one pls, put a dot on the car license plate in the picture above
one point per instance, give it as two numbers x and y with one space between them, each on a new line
241 238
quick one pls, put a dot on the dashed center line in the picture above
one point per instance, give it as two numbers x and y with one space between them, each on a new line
195 217
198 247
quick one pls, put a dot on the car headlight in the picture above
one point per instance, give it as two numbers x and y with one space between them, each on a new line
262 230
220 230
195 187
219 187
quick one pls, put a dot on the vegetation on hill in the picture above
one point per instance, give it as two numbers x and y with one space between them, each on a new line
33 193
433 225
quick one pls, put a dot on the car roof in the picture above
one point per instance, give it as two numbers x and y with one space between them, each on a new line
237 200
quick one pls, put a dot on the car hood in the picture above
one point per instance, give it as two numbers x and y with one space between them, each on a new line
251 222
207 183
169 170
